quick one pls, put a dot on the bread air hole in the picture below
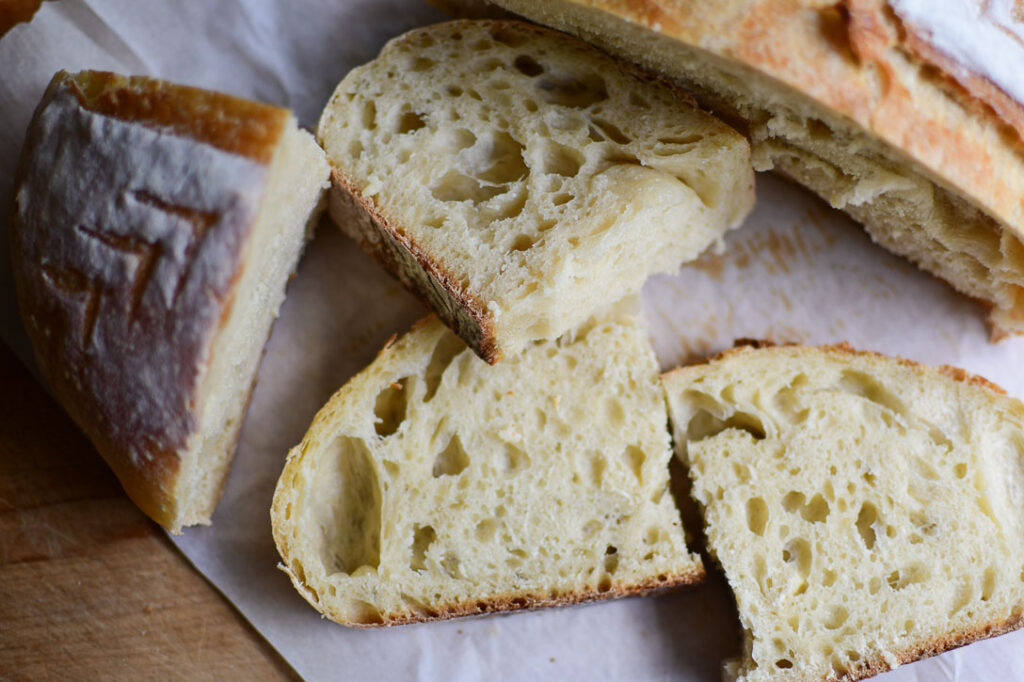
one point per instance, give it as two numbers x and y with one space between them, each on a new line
451 461
448 346
369 115
866 518
815 511
390 407
797 552
410 122
988 583
869 388
611 559
576 92
422 538
635 458
706 425
835 616
364 613
910 575
486 530
757 515
418 64
527 66
352 529
561 160
680 139
498 159
455 186
515 459
523 242
611 131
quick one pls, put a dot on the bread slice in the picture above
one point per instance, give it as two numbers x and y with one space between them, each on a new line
433 485
517 179
866 510
155 227
882 107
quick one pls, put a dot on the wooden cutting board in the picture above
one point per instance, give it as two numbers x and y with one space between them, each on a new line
89 587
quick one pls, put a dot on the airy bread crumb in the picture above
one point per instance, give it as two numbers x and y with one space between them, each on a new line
433 485
866 510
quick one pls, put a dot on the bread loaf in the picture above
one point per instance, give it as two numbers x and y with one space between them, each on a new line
906 115
155 227
518 179
866 510
433 485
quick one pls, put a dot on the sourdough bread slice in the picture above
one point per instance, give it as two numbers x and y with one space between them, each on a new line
906 115
155 227
517 179
434 485
866 510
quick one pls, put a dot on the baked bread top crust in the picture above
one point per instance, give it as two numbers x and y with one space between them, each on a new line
134 203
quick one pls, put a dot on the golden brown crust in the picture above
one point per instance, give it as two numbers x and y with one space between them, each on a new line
235 125
420 272
744 344
976 89
525 601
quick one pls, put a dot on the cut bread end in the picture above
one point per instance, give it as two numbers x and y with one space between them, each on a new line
434 485
287 215
518 179
155 226
865 509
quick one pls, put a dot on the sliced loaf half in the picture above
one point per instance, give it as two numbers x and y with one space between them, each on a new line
518 179
908 115
155 228
866 510
434 485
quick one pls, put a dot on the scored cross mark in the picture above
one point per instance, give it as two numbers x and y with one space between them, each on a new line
73 282
199 222
148 254
145 253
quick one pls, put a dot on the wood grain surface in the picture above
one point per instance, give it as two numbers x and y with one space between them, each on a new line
89 587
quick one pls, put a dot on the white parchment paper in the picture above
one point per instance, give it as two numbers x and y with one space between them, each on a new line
796 271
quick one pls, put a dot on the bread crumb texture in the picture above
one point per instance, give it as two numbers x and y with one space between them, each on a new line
434 485
544 176
866 510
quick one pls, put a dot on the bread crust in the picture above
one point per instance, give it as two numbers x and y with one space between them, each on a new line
934 647
418 271
525 601
123 277
744 344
